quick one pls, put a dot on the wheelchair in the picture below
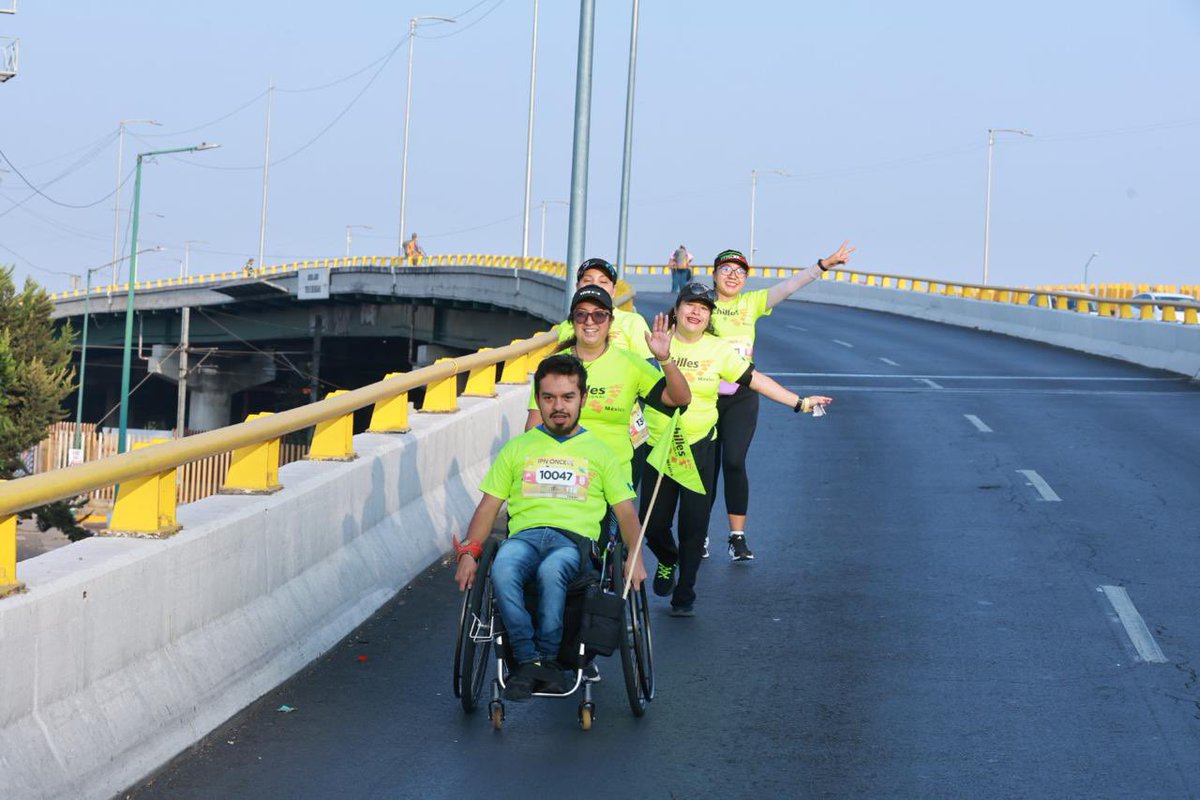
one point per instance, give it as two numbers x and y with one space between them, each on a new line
482 640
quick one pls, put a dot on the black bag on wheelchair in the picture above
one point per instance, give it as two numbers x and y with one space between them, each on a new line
602 621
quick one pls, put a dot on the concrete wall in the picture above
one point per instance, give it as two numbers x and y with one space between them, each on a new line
124 652
1160 345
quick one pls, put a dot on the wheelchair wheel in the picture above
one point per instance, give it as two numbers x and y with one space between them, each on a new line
472 652
642 647
635 632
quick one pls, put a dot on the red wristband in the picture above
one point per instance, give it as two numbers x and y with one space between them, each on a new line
474 549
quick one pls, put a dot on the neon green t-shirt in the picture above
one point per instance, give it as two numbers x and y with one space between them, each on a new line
568 484
628 332
734 321
615 382
705 363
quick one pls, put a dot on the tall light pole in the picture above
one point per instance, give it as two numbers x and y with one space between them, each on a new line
542 249
528 141
754 173
581 136
128 351
83 347
627 158
1085 269
412 40
262 225
987 203
348 227
117 194
185 328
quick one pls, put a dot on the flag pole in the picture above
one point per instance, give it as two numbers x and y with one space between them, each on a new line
642 534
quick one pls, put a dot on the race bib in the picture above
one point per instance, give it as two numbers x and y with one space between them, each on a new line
638 433
546 476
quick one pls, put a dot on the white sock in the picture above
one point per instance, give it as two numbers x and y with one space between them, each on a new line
737 533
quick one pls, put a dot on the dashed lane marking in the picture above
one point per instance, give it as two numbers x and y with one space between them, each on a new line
929 383
978 423
797 328
888 361
843 344
1143 641
1039 483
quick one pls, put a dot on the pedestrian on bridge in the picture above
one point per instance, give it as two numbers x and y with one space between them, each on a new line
413 251
734 316
705 361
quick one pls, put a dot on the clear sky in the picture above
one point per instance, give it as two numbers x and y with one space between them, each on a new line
877 110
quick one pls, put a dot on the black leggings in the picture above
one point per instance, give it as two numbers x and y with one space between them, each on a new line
694 512
735 429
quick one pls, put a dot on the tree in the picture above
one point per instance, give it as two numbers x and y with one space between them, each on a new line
35 378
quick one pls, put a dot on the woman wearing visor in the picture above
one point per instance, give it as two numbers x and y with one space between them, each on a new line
734 316
705 361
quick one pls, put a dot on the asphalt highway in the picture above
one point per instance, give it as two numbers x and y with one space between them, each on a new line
975 577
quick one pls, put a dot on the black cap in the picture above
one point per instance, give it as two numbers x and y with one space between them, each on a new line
731 257
600 264
592 294
696 292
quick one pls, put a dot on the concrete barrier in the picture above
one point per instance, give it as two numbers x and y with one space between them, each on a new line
124 652
1160 345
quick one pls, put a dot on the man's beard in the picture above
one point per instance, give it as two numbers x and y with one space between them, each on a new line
561 429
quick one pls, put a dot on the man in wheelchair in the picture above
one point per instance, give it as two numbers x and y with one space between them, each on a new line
558 480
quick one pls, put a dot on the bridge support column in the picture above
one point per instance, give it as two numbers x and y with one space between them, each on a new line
212 384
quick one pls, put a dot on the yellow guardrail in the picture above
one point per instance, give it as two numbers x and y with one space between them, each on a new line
145 503
1113 304
556 268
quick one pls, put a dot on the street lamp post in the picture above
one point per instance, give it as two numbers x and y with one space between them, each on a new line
348 227
754 173
528 141
83 347
627 158
185 332
412 40
127 352
117 193
987 203
542 249
1085 269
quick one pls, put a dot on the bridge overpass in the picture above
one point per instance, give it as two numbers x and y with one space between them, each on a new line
951 570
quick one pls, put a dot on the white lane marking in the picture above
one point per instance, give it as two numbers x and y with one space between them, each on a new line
888 361
843 344
978 423
971 377
1143 641
1039 483
797 328
931 384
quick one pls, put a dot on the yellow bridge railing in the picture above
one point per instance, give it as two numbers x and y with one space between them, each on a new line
546 266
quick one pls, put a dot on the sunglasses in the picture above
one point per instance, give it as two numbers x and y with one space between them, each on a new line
598 317
731 270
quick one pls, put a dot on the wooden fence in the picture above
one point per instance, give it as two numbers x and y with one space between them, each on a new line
194 481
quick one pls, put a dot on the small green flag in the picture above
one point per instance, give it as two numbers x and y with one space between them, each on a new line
672 456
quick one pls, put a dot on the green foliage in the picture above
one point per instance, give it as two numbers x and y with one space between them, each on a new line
35 377
35 369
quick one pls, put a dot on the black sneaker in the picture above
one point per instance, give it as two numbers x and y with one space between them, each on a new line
738 550
664 579
705 553
519 685
682 611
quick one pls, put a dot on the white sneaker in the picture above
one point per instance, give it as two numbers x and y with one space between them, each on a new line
705 553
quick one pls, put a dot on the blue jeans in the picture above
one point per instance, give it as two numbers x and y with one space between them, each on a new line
553 559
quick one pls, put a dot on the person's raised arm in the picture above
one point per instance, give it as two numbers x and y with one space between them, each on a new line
677 392
789 286
769 388
478 530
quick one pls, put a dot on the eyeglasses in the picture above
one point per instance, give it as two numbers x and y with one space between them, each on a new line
598 317
730 270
